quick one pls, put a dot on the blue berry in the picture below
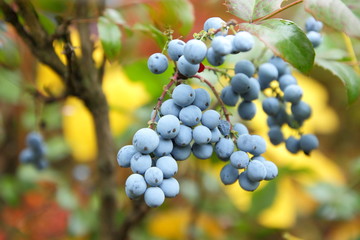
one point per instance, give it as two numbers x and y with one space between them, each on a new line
164 148
195 51
27 156
186 68
125 154
312 25
308 142
253 92
201 134
239 159
271 106
139 163
267 73
221 45
315 38
276 136
135 186
215 23
215 135
292 144
214 58
240 83
157 63
301 111
224 148
210 119
224 127
190 115
286 80
228 96
168 126
170 108
246 67
280 65
183 95
229 174
293 93
168 166
180 153
170 187
259 145
240 128
271 170
145 140
154 197
154 176
184 137
247 110
35 141
246 184
202 99
256 171
176 49
202 151
243 41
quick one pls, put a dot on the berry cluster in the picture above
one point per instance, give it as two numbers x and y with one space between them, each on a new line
313 28
35 151
183 125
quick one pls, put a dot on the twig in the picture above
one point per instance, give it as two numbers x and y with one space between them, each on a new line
161 98
223 107
277 11
221 71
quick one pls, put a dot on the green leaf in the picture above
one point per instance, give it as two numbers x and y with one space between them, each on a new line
250 10
9 53
154 32
336 14
263 198
354 6
139 72
286 40
110 37
48 23
10 86
346 74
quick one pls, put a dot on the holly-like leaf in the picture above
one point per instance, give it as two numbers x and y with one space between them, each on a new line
249 10
286 40
110 37
339 15
346 74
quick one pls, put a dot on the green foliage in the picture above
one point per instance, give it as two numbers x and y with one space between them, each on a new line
48 23
346 74
250 10
10 85
9 52
286 40
110 37
264 197
336 14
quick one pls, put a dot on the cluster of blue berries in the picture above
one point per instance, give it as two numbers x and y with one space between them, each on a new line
188 56
35 151
313 28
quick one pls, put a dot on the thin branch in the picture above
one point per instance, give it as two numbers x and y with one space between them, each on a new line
278 11
222 104
161 98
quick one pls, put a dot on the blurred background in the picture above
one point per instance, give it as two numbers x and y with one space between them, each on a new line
314 197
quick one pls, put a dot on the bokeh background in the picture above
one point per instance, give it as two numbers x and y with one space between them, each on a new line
314 197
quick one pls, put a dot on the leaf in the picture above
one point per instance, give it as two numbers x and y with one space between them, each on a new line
263 198
150 29
336 14
110 37
10 91
138 71
354 6
115 16
48 24
346 74
176 14
286 40
249 10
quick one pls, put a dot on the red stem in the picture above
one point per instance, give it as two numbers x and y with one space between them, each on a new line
278 11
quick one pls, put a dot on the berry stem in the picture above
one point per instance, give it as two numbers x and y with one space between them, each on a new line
161 98
223 107
277 11
222 72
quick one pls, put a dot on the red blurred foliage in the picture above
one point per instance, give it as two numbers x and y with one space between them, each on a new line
37 217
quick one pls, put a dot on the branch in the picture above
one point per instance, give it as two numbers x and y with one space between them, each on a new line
45 53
